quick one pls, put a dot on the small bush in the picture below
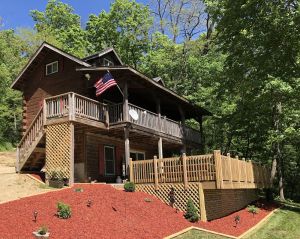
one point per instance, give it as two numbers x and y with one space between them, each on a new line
129 187
63 210
253 209
42 230
191 212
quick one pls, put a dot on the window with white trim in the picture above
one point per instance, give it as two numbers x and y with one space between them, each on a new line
137 155
51 68
107 62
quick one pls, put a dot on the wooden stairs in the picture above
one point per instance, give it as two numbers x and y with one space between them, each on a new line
31 149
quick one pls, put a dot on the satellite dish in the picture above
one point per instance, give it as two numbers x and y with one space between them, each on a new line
133 114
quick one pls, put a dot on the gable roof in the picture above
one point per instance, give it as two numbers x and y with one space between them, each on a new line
103 53
17 84
127 69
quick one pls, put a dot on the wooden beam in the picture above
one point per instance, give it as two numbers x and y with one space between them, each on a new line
125 102
71 180
160 148
203 216
155 172
218 166
185 178
127 148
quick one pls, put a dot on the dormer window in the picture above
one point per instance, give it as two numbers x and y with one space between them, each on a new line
51 68
107 62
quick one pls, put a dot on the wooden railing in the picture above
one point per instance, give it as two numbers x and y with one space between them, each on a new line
89 109
33 131
115 113
224 171
145 118
74 106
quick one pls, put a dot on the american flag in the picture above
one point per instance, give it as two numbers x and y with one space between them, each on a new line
104 83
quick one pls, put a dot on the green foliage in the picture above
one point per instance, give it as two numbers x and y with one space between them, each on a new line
125 27
56 176
129 187
191 212
63 210
252 209
59 20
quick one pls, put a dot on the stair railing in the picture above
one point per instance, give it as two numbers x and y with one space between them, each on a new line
35 128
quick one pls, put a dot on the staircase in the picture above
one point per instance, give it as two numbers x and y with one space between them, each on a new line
31 149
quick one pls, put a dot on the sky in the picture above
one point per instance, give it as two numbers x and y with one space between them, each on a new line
15 13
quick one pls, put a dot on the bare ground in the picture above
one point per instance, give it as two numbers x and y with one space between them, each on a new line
13 185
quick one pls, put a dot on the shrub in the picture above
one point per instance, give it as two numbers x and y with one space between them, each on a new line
55 176
63 210
129 187
253 209
42 230
191 212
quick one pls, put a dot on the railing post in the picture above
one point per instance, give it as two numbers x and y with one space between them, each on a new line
245 172
131 177
70 100
155 172
230 169
239 170
218 166
185 177
44 112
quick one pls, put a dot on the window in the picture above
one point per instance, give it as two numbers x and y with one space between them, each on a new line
109 159
52 68
107 62
137 155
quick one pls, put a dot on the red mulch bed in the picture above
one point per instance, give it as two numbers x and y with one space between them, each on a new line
39 176
113 214
227 225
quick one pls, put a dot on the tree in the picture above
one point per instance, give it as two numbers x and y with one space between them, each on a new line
260 39
59 20
125 27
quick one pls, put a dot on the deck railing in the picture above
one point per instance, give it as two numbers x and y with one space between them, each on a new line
72 106
225 171
25 145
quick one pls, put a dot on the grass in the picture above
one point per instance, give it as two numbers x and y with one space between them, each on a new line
284 223
196 234
45 186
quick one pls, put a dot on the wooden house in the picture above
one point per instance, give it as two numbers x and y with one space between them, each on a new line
68 129
135 128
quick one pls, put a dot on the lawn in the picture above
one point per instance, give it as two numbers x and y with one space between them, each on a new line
285 223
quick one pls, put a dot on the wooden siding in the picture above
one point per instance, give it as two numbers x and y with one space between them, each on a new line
94 153
39 86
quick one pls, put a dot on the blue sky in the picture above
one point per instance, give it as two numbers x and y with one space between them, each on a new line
15 13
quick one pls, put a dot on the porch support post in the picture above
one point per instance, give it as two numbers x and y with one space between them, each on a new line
127 149
71 180
202 139
182 116
158 111
125 102
160 148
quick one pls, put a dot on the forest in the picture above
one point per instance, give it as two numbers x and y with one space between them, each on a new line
238 59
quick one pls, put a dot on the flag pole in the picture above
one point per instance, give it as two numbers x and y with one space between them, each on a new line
117 86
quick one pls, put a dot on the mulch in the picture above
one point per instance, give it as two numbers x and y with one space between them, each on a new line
113 214
227 225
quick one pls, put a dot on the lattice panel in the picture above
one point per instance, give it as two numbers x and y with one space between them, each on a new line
181 195
58 148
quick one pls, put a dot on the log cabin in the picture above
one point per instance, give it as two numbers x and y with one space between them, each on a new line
136 130
67 128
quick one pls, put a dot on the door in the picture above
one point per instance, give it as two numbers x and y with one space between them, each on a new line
109 160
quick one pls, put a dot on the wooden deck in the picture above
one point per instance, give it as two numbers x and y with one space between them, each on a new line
74 107
215 171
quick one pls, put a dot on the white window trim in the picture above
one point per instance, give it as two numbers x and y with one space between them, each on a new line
51 63
112 147
138 152
105 60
